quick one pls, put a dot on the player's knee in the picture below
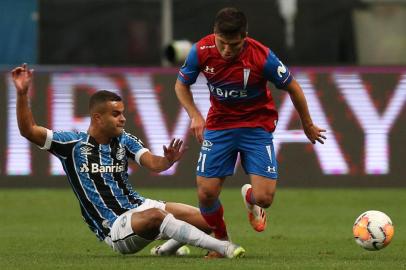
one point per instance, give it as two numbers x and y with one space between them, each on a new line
264 200
155 217
207 195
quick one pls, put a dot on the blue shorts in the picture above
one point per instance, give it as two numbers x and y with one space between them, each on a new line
220 149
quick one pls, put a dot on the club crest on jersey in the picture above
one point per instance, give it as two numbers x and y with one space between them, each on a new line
209 70
120 153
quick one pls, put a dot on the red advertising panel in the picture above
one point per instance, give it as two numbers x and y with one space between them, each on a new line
363 110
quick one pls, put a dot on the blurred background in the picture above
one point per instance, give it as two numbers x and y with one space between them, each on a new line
349 56
135 32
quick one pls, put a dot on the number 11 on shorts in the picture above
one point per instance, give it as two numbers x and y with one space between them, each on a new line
200 162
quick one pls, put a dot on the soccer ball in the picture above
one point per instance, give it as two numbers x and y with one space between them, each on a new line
373 230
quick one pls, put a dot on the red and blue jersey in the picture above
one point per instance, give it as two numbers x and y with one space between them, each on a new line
239 93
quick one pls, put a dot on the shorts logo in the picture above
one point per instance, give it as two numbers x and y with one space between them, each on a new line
271 169
206 145
120 153
123 221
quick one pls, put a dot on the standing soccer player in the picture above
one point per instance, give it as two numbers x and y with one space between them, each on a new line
241 118
96 163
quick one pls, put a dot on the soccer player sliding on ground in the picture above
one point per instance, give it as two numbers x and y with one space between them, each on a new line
96 164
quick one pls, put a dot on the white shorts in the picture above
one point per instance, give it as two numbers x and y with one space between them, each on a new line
123 239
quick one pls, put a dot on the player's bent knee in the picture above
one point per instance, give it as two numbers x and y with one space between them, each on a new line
153 217
264 201
207 196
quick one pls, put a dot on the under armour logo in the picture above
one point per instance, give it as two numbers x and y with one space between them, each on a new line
271 169
209 70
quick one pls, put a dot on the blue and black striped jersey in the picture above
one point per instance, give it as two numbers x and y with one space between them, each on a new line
98 174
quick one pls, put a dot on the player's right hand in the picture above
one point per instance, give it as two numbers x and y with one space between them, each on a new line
315 134
197 126
22 78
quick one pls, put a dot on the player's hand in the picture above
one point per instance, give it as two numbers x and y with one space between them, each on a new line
197 126
22 78
315 134
174 152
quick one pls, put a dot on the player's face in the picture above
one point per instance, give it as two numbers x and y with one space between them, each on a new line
112 119
229 46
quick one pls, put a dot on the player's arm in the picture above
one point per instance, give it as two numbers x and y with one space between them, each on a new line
172 153
22 78
312 132
185 98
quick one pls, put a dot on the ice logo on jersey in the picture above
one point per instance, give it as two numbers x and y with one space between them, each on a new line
281 69
227 93
206 145
120 153
209 70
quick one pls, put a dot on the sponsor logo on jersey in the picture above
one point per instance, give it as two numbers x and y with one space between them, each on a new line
85 150
281 69
228 93
209 70
106 224
207 47
97 168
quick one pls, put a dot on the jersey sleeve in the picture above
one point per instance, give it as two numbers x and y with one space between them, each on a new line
276 72
190 70
134 147
60 143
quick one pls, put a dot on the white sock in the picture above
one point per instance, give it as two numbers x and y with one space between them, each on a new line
185 233
169 247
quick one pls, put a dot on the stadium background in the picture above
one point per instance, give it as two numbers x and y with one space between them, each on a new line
340 51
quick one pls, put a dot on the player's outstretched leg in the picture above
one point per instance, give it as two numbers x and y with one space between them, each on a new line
186 233
256 214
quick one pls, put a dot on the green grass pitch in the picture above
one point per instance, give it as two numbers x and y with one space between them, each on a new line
307 229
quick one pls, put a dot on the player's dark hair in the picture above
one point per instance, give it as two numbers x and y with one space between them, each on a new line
101 97
230 21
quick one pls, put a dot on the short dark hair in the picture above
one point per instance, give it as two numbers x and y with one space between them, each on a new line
230 21
101 97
